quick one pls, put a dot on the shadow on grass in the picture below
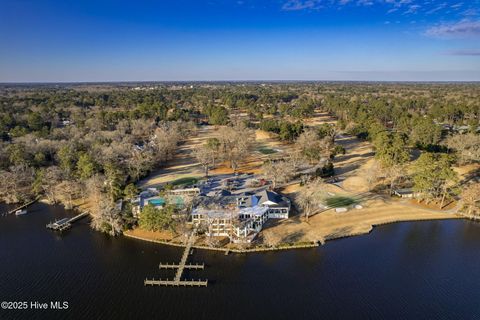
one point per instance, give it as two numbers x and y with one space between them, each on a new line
184 181
340 201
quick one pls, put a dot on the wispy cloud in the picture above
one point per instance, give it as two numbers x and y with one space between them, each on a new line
470 12
296 5
413 9
427 7
461 29
464 52
438 8
457 5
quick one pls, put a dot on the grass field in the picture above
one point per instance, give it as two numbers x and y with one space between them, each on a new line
340 201
184 181
267 151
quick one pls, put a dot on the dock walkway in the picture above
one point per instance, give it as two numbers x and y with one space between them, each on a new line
65 223
185 255
172 283
180 267
21 207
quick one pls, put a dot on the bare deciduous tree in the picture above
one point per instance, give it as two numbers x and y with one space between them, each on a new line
471 199
277 172
16 184
236 143
66 192
313 148
204 156
467 147
53 176
310 197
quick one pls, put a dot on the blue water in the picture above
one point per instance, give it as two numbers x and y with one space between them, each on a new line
421 270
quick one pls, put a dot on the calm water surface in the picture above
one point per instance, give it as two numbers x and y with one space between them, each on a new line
423 270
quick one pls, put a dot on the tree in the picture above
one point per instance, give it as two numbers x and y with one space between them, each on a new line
471 199
391 149
139 162
51 177
311 196
213 144
18 155
167 136
16 184
114 180
313 148
130 191
66 192
290 131
107 217
217 115
154 219
203 156
425 132
236 143
326 130
207 154
433 177
67 158
392 153
85 166
466 146
35 121
277 172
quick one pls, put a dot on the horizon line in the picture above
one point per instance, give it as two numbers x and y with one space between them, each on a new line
231 81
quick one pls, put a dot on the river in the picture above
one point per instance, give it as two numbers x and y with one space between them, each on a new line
406 270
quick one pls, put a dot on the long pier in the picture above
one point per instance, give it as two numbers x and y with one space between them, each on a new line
170 283
65 223
185 255
21 207
187 266
180 267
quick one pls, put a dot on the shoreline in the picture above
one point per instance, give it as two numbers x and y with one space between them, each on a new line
302 245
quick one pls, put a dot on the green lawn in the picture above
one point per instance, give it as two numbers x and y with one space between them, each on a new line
340 201
266 150
184 181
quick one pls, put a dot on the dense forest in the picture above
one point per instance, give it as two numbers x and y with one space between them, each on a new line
95 141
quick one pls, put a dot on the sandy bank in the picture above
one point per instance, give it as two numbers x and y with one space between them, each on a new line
296 233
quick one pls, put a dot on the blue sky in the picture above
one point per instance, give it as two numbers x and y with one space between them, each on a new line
161 40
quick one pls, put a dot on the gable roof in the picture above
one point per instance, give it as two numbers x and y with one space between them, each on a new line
272 197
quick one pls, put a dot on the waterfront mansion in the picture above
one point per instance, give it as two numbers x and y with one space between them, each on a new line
240 217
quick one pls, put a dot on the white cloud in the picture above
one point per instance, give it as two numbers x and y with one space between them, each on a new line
465 52
413 9
295 5
405 7
456 6
437 8
461 29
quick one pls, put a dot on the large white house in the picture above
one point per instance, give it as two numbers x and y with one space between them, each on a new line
239 217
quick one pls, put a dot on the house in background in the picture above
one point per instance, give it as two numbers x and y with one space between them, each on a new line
405 193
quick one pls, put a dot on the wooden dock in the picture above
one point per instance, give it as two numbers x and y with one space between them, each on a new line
65 223
23 206
180 267
187 266
173 283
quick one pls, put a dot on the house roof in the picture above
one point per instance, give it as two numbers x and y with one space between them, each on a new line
404 191
272 197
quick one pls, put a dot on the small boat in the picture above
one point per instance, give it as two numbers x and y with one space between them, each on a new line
20 212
